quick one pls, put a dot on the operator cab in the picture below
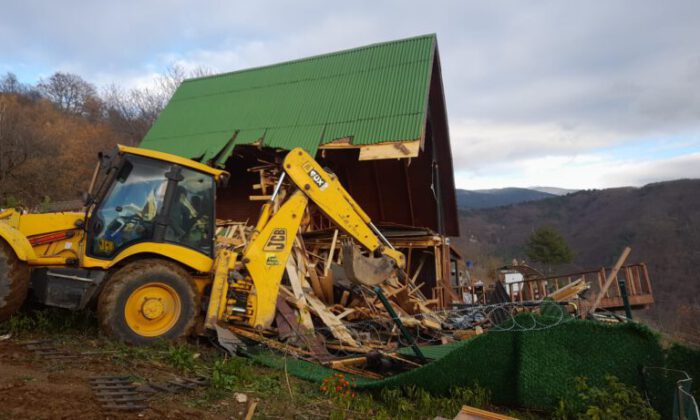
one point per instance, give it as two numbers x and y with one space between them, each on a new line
152 197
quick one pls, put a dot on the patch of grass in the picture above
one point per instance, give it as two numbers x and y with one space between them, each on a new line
182 358
230 374
50 321
614 401
18 325
415 402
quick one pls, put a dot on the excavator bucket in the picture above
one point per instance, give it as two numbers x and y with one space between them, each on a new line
367 270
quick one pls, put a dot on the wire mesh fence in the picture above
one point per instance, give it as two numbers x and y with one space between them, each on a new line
669 391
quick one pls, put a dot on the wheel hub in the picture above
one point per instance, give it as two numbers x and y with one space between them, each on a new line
152 308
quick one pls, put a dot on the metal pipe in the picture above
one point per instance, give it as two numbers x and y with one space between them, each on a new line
407 335
381 236
278 186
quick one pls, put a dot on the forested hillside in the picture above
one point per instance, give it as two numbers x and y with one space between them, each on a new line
51 132
661 222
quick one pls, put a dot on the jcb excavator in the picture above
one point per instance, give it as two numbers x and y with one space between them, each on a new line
144 248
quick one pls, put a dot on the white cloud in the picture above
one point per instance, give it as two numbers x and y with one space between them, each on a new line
478 145
528 87
581 172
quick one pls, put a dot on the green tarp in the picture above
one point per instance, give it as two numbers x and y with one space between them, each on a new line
525 368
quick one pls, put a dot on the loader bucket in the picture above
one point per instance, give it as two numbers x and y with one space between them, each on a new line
367 270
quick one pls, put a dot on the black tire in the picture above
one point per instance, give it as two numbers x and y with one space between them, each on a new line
112 304
14 282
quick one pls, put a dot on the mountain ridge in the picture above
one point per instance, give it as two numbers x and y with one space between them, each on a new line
660 221
496 197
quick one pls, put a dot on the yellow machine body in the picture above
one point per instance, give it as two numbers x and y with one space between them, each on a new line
19 230
243 287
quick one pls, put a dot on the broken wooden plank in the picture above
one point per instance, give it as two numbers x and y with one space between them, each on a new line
473 413
359 372
344 298
251 409
274 344
299 294
611 277
329 260
346 313
336 326
350 361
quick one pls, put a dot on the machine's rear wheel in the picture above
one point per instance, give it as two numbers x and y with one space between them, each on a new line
14 282
148 300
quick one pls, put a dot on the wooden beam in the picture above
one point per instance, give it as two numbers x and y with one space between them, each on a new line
419 268
394 150
408 193
380 196
329 260
259 197
327 287
611 277
315 282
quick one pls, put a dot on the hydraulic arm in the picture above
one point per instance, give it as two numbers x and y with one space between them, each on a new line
250 292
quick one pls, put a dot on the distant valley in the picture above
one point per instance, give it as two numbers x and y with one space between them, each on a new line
661 222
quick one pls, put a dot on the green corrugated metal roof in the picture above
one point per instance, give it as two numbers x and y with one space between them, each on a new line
372 94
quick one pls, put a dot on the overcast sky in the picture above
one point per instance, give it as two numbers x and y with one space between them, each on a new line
574 94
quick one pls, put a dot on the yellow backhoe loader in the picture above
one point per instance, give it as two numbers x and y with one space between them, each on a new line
144 248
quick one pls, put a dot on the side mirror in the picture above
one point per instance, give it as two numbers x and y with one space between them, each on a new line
87 198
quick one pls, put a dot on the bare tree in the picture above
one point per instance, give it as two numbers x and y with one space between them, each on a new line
10 84
70 93
133 112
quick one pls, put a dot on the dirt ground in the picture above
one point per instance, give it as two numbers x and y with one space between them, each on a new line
35 387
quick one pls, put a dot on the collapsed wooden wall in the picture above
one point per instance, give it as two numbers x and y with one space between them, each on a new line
398 194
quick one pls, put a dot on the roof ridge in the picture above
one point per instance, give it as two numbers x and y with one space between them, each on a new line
314 57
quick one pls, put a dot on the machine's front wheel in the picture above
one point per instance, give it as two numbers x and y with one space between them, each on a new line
14 282
148 300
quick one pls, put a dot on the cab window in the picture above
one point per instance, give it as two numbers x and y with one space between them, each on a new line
128 212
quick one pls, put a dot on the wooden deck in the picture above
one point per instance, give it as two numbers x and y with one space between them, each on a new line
636 277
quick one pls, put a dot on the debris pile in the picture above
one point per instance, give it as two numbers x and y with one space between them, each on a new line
324 316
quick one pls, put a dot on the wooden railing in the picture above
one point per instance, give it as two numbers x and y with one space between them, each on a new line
636 278
443 299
